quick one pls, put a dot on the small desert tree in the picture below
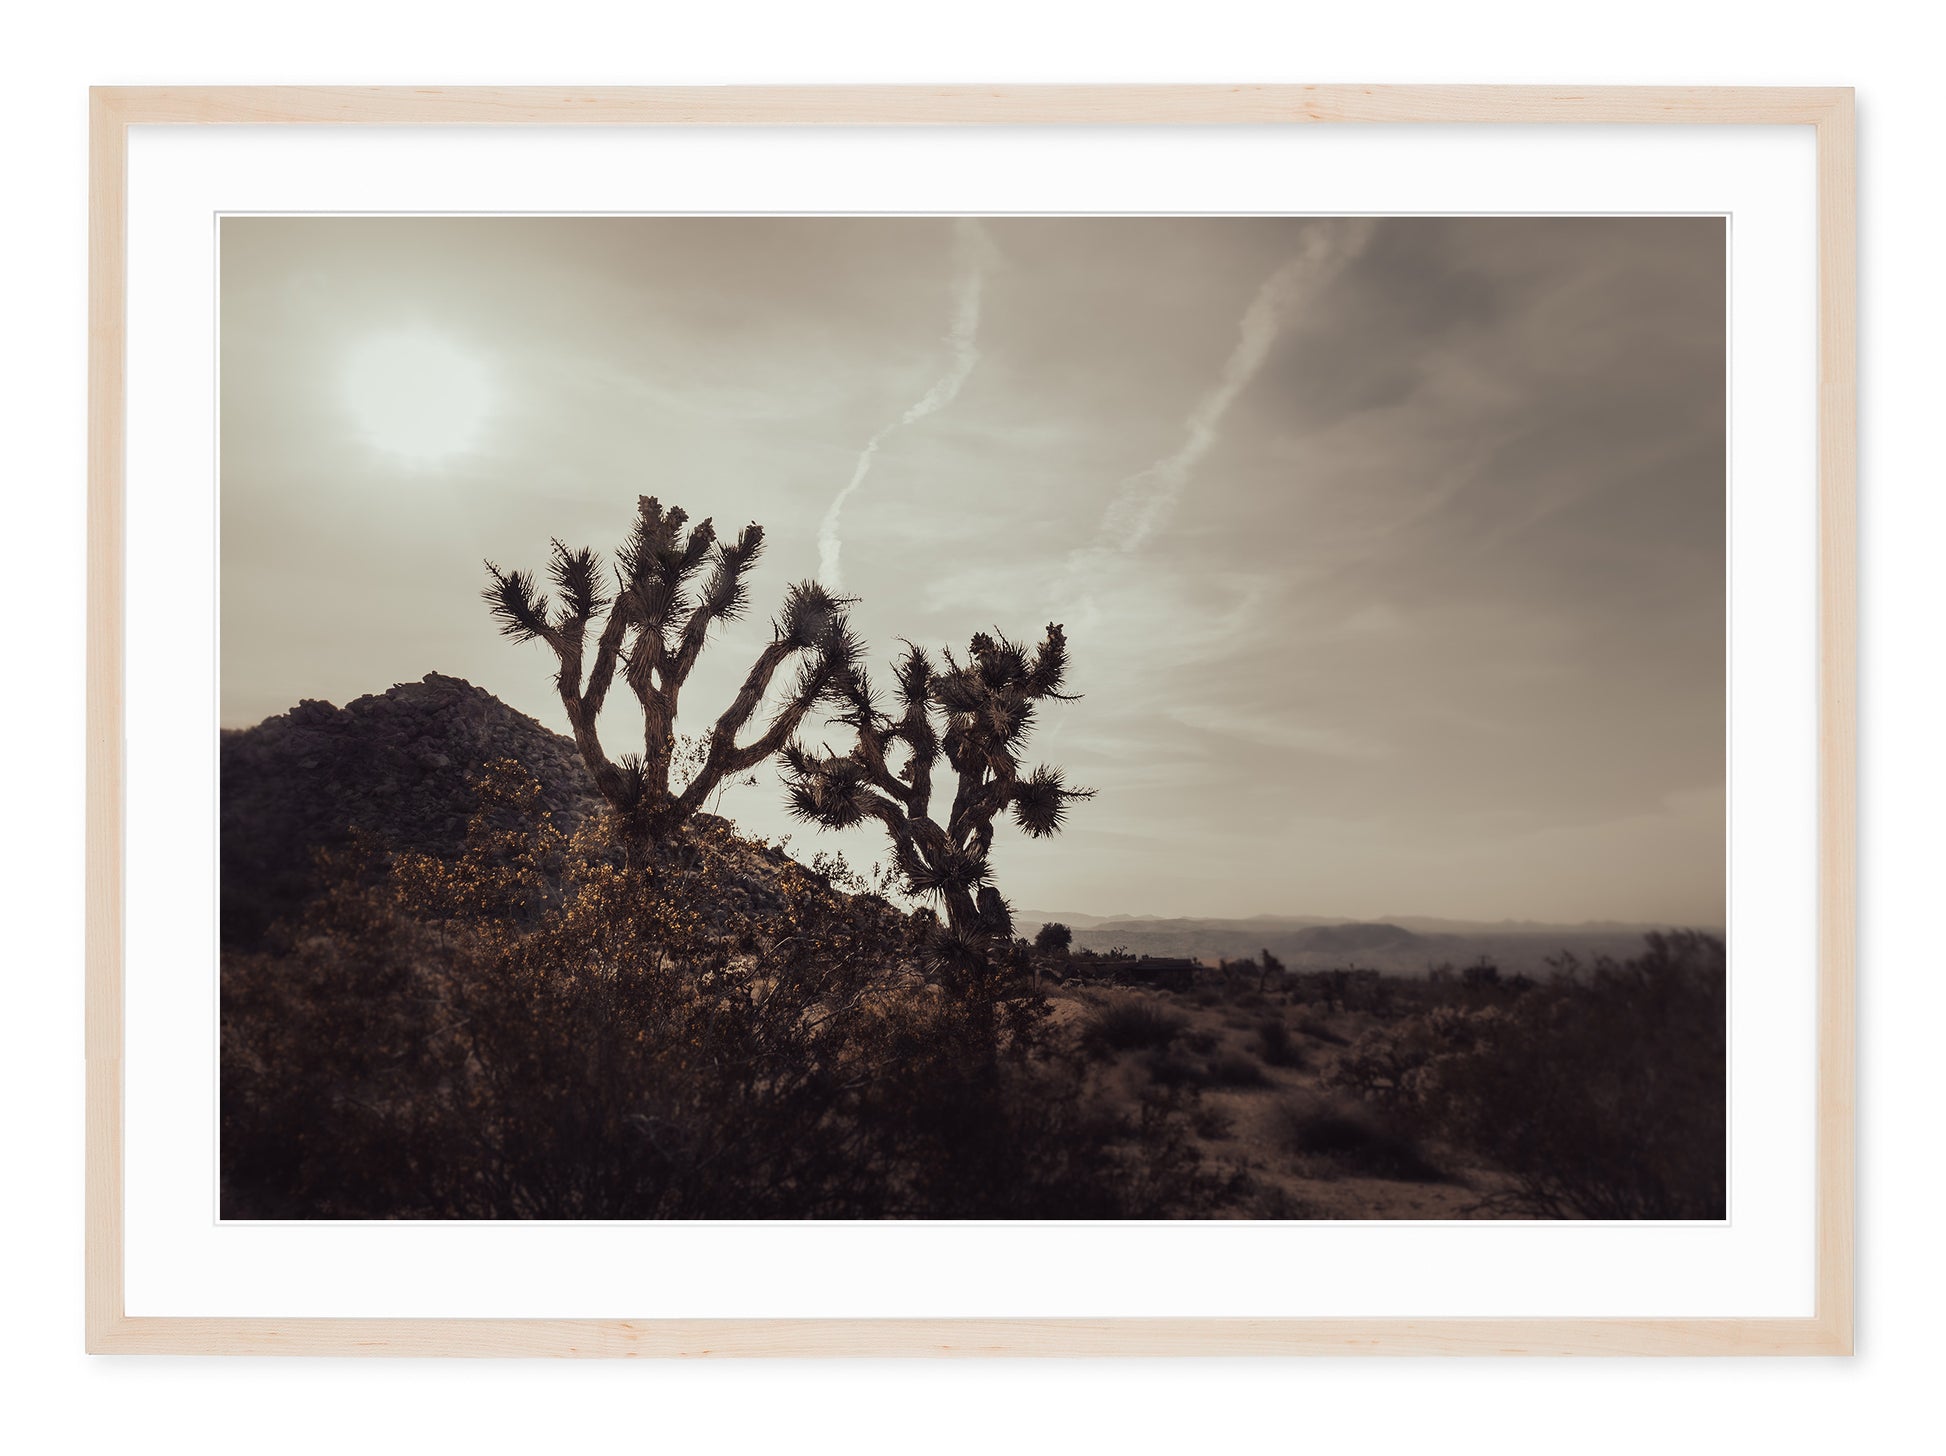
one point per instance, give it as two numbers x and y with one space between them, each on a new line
1054 939
669 589
975 719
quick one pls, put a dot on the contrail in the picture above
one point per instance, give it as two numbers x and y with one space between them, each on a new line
970 251
1145 500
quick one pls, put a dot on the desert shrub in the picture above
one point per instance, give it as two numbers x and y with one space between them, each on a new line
1039 1145
1395 1066
1275 1041
1317 1030
1211 1121
1274 1201
1352 1139
1235 1069
1169 1177
1176 1066
1131 1023
533 1030
1602 1093
1172 1066
536 1028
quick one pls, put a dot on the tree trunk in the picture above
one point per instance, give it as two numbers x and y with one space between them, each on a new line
961 913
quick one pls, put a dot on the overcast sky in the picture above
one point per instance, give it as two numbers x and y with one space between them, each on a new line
1391 552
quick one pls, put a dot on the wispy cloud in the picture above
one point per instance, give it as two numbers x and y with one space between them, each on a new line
1099 582
971 250
1145 500
1281 731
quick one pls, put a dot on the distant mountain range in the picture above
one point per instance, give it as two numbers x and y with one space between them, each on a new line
1400 945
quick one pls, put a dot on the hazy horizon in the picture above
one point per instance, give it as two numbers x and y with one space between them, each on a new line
1406 918
1391 553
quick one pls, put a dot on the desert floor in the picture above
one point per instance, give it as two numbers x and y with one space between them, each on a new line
1244 1103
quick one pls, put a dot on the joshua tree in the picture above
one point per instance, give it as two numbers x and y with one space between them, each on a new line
1272 967
977 718
657 622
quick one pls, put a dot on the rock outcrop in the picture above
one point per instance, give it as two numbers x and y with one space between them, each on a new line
400 765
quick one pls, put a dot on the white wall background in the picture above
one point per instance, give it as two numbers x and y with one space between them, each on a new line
61 1400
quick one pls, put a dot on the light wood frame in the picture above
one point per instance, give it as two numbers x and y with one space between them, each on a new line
1829 111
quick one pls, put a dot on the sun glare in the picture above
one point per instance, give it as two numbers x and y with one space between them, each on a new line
417 395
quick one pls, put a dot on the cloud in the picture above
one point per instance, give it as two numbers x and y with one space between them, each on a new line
971 249
1144 501
1098 582
1279 731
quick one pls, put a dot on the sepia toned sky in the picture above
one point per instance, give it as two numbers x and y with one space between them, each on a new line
1391 552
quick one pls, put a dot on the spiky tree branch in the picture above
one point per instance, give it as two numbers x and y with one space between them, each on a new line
974 718
670 588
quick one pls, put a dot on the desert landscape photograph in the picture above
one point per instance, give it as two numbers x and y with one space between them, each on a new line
981 718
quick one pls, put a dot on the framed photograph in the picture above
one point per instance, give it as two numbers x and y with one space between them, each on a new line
977 721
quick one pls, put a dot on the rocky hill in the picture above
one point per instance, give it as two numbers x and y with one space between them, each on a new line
399 764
